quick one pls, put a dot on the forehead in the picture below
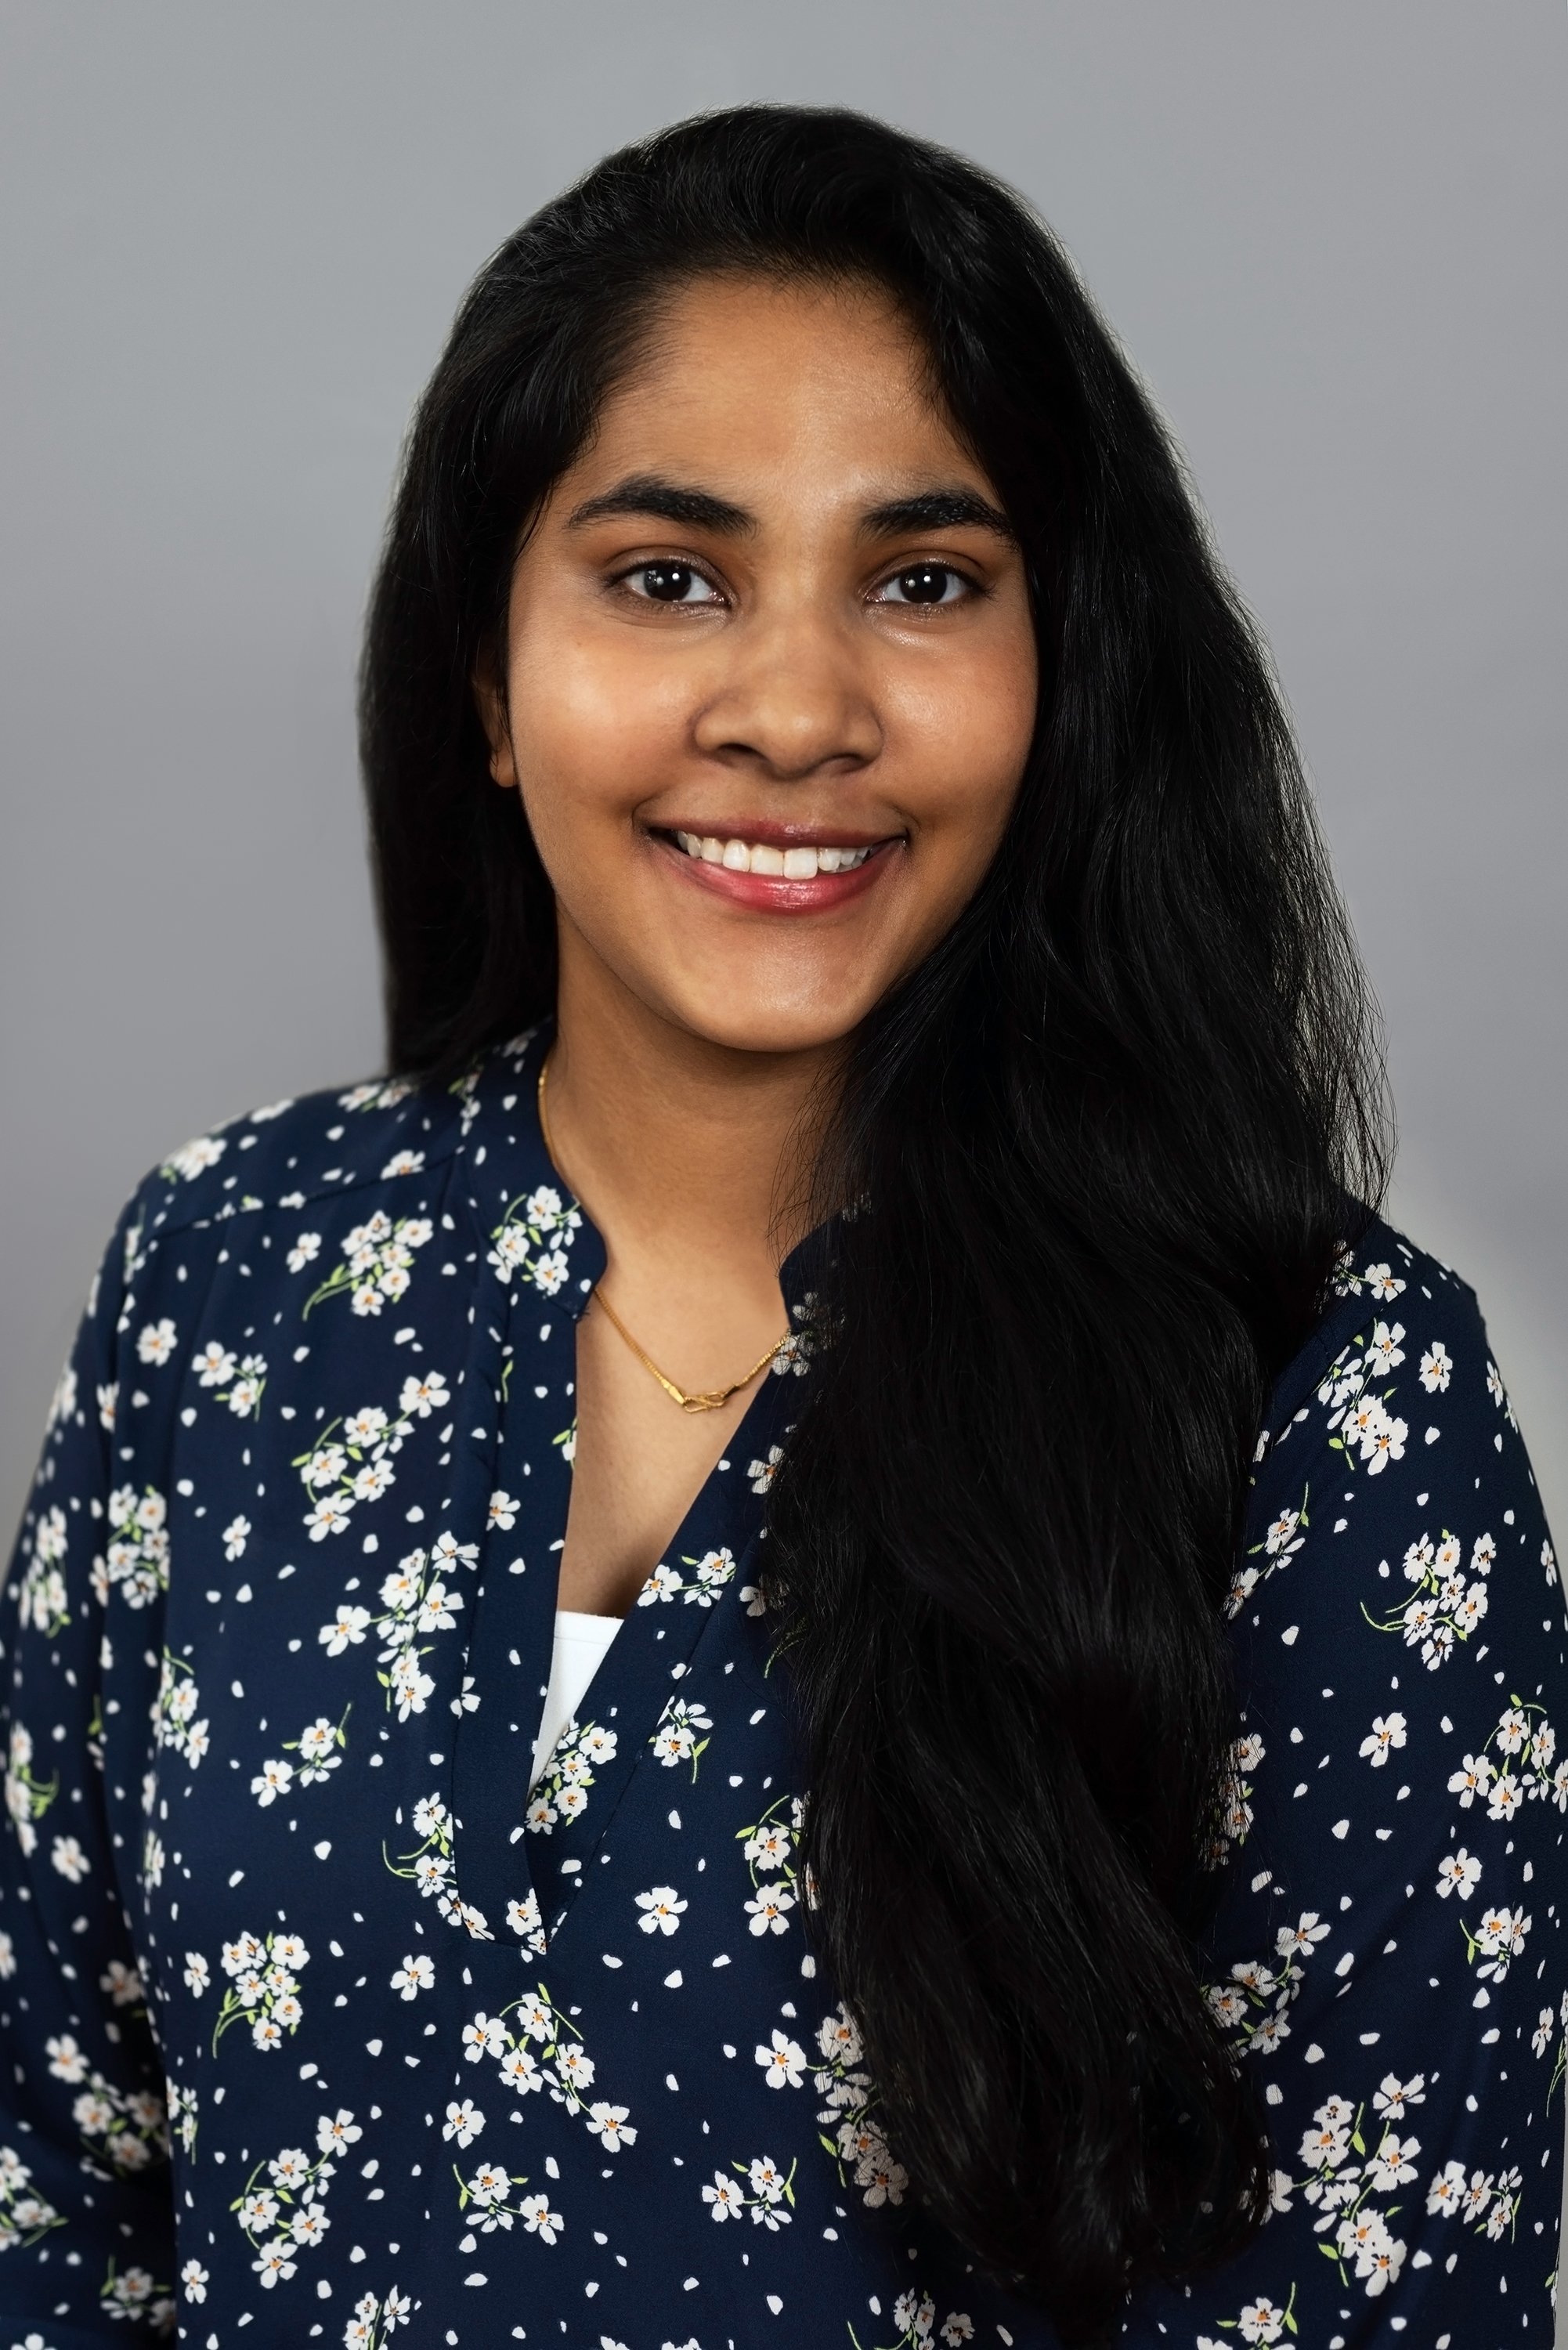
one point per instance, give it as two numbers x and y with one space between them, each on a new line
749 380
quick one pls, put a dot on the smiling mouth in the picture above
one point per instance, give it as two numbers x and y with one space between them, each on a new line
799 861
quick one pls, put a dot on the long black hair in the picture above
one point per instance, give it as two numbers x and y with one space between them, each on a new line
1104 1142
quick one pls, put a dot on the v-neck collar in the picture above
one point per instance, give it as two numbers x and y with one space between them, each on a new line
519 1859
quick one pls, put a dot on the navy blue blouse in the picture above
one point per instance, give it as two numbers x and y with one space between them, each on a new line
316 2023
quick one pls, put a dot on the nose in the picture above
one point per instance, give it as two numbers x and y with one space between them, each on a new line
791 700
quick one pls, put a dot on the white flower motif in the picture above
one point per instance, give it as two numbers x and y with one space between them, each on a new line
1382 1441
329 1516
63 1403
575 2065
522 2072
783 2062
67 1856
609 2125
1468 1612
1298 1940
327 1465
308 2227
1283 1538
409 1687
771 1847
1471 1779
371 1479
420 1397
725 2198
766 2180
347 1629
539 2219
1499 1938
762 1472
157 1342
415 1975
273 1779
214 1365
1387 1733
66 2061
193 1158
1393 2164
662 1910
1324 2146
1392 2095
485 2036
550 1271
1458 1874
664 1583
769 1910
488 2186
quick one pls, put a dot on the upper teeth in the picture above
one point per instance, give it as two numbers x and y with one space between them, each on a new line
802 863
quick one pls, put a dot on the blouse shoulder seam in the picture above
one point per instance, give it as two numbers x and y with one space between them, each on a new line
1353 1306
159 1213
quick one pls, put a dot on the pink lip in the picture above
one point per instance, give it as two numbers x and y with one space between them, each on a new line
770 893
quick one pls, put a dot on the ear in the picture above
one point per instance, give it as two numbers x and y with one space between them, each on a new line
490 701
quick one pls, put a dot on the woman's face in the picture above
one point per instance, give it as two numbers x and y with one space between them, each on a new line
770 671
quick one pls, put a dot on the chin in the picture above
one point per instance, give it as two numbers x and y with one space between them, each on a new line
764 1028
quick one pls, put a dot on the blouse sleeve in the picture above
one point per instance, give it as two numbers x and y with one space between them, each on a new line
86 2210
1386 1952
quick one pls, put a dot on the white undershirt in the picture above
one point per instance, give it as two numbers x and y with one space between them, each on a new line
580 1646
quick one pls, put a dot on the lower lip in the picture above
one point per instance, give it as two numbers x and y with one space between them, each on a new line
773 893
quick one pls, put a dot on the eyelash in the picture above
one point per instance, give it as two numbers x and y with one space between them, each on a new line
622 580
970 586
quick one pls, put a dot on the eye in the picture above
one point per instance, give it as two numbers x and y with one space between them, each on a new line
925 583
669 583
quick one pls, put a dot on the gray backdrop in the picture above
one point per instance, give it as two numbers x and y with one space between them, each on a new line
1331 236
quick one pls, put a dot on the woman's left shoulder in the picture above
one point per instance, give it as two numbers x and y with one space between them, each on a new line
1392 1502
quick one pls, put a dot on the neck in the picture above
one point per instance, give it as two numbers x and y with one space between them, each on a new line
685 1153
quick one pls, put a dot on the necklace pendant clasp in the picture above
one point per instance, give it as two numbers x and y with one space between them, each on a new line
712 1401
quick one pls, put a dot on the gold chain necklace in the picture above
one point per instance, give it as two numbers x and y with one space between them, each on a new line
702 1400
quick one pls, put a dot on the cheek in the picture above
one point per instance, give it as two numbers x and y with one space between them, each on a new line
592 736
967 739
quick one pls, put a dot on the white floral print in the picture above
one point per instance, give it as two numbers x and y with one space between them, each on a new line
284 1606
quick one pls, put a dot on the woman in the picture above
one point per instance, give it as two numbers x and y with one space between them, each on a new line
1060 1841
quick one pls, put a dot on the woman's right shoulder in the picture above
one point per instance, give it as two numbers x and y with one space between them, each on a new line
333 1195
384 1148
289 1154
278 1186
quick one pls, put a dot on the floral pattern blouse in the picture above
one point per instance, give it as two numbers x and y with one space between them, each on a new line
316 2023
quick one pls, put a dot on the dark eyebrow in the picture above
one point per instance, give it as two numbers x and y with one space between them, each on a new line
953 509
648 494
